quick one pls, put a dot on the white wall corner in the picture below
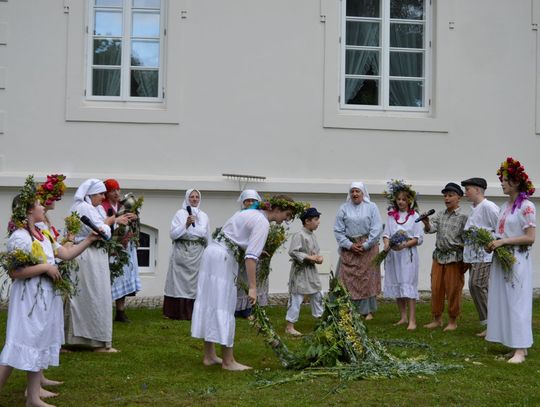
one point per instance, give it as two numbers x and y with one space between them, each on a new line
3 74
3 33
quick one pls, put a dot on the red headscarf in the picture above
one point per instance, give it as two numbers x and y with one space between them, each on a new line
111 184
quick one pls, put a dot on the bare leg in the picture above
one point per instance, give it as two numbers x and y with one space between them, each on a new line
228 360
291 331
402 308
452 325
210 357
5 372
34 387
412 314
436 323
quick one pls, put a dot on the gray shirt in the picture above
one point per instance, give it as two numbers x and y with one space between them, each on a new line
449 226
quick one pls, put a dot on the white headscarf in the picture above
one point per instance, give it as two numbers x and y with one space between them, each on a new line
185 204
361 187
89 187
248 194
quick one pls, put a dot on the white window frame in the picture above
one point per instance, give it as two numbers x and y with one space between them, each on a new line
125 67
384 76
166 111
435 120
152 250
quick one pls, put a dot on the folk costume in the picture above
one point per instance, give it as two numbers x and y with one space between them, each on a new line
35 324
304 277
509 316
88 314
359 223
213 312
401 267
187 251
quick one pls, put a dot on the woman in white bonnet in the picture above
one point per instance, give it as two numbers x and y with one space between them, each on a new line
89 313
189 233
357 229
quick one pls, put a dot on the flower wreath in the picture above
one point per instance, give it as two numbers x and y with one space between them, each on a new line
513 170
278 201
27 198
395 186
52 189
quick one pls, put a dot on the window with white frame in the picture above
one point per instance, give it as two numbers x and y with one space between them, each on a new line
385 55
125 50
146 252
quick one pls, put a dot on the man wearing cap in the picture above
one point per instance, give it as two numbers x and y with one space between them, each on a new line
483 215
447 269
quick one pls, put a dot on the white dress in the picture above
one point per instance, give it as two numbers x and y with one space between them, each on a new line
35 325
401 267
213 312
510 299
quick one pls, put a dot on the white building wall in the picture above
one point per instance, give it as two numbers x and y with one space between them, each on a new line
247 82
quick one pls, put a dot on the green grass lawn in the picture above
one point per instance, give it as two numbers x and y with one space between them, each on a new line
160 365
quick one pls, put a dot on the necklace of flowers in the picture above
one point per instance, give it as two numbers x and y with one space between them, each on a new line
395 214
37 234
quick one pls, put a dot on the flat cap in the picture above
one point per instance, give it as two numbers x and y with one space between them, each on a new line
453 187
477 182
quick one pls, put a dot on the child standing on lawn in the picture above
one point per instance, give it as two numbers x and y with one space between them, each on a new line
304 278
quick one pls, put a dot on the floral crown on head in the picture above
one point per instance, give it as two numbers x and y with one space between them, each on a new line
25 200
395 186
52 189
284 203
513 170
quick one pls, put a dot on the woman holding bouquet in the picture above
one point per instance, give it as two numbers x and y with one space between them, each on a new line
357 229
401 264
510 292
129 282
189 233
35 325
241 239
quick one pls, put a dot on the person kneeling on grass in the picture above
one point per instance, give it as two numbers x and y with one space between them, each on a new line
304 278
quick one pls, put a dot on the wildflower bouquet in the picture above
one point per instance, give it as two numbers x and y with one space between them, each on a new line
130 232
479 238
395 240
277 235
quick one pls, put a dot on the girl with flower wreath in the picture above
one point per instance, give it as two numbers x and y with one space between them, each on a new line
401 264
35 324
241 239
510 294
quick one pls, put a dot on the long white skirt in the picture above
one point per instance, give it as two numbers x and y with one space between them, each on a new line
35 326
91 309
401 274
213 312
510 304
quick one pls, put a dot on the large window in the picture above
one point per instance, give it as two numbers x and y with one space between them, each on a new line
125 50
385 55
146 252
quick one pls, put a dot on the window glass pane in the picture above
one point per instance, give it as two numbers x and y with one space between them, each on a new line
144 239
143 257
407 35
107 52
407 64
361 92
146 3
106 82
363 8
109 3
145 53
406 93
360 62
108 23
407 9
362 33
144 83
145 25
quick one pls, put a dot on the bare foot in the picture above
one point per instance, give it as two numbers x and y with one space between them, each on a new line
433 324
369 317
519 357
43 394
64 350
482 334
39 403
106 350
212 361
293 332
412 326
49 382
511 354
235 366
452 326
400 322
